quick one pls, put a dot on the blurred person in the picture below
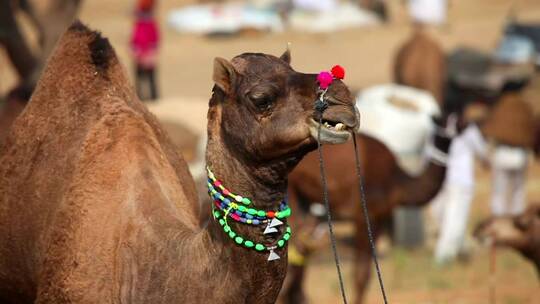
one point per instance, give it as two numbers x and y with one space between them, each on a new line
451 208
429 12
315 5
511 127
144 44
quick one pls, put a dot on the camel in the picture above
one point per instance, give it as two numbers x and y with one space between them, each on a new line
11 38
49 25
521 232
97 206
387 186
421 63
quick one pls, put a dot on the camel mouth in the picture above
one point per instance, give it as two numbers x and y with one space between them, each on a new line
331 132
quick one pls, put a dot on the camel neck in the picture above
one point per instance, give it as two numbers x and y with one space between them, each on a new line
265 186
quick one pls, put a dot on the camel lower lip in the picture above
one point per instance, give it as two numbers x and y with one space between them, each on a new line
328 136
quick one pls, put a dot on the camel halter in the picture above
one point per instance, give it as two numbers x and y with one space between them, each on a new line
325 79
232 206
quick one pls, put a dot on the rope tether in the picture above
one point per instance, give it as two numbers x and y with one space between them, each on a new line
368 223
325 79
320 108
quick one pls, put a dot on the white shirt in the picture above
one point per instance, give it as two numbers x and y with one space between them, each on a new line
464 147
316 5
428 11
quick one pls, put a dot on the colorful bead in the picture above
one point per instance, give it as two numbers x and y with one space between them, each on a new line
284 213
224 208
239 240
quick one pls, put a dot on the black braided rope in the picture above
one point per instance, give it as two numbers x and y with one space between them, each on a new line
366 216
321 108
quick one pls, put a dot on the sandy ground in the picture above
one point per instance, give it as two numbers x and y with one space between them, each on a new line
185 82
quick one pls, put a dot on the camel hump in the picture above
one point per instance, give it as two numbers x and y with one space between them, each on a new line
82 65
100 50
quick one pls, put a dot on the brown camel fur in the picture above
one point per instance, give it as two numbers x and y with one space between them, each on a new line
520 232
421 63
97 206
387 186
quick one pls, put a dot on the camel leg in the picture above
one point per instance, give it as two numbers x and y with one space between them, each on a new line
12 39
293 291
362 271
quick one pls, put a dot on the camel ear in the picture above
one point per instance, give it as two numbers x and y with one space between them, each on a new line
224 74
286 56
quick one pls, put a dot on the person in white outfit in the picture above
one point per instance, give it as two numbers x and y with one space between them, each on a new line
431 12
451 208
509 170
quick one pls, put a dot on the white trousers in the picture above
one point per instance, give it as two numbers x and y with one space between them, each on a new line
451 211
508 191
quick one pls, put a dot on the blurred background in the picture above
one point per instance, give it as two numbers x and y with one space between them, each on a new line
362 36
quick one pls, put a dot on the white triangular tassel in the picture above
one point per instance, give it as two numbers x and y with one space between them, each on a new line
273 255
275 222
269 229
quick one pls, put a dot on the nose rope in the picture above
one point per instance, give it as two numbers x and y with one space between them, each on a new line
320 106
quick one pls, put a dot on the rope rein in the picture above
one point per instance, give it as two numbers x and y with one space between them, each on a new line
368 222
325 79
327 205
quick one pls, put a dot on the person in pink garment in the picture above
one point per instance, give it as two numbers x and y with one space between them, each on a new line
144 45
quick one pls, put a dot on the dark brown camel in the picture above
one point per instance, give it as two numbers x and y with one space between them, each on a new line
97 206
387 187
421 63
521 232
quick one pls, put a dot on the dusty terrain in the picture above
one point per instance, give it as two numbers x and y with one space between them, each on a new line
185 82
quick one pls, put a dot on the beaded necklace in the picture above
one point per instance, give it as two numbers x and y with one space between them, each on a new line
227 205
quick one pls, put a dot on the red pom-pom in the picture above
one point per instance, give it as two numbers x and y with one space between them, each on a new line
338 72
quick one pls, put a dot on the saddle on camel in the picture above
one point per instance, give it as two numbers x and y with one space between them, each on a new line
97 206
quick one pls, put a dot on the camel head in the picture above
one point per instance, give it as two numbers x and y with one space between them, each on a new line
265 109
521 232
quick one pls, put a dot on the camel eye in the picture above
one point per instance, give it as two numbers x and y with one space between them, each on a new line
262 101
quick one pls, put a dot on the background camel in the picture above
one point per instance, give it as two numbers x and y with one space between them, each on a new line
387 186
49 23
117 221
421 63
521 232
